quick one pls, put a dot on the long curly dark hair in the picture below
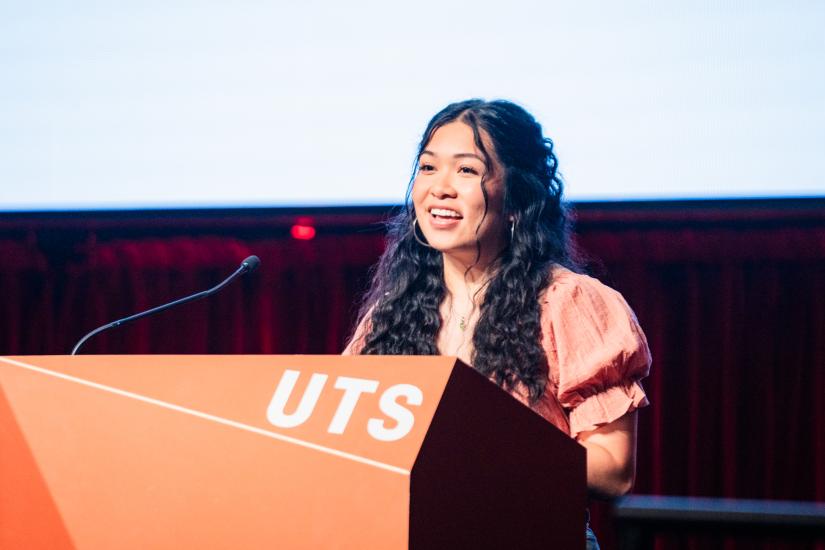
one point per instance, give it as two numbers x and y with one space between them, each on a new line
401 310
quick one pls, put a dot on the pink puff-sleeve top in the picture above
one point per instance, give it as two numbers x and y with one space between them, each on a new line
596 354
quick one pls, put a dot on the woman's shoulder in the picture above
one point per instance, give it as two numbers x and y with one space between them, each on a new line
580 308
566 283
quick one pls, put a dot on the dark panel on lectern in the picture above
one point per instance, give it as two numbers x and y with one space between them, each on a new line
494 474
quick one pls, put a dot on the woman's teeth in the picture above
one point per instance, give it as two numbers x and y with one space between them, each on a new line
444 213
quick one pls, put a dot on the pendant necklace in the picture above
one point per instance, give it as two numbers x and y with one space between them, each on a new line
462 319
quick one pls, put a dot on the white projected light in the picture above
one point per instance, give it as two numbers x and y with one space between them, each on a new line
215 104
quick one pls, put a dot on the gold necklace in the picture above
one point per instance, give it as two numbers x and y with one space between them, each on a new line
463 320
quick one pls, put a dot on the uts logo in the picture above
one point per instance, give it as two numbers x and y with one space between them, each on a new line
353 388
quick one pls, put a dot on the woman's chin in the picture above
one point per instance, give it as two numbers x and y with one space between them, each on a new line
442 241
454 248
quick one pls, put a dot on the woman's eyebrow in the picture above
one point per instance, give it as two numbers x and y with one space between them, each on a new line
456 156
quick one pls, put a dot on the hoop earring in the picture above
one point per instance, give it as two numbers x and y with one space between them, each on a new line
512 229
415 234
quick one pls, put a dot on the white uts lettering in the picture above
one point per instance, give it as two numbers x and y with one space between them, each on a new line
353 389
389 406
275 412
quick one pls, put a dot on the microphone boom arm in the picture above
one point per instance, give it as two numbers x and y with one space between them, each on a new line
249 264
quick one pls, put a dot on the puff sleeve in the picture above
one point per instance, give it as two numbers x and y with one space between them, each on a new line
597 353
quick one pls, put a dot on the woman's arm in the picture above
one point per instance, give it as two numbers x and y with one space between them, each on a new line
611 456
355 344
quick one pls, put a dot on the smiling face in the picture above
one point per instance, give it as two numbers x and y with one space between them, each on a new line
449 201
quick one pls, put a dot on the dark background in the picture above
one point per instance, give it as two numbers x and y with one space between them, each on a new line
731 295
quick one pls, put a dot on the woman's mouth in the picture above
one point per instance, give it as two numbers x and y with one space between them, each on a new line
445 213
444 218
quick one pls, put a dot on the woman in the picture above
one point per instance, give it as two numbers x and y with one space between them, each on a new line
478 266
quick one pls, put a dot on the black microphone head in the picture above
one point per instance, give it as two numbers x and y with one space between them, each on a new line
251 263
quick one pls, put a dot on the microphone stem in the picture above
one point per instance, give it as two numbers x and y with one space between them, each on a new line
202 294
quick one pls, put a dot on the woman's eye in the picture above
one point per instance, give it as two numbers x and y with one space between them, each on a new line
468 170
426 168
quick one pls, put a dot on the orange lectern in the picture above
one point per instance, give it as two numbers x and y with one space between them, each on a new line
277 452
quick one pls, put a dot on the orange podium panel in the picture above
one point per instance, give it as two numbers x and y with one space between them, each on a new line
189 451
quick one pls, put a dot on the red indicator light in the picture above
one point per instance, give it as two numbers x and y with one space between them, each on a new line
302 232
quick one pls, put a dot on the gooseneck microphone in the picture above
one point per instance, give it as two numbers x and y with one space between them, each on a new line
247 266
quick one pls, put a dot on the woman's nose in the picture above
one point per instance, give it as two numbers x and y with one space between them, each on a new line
443 187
